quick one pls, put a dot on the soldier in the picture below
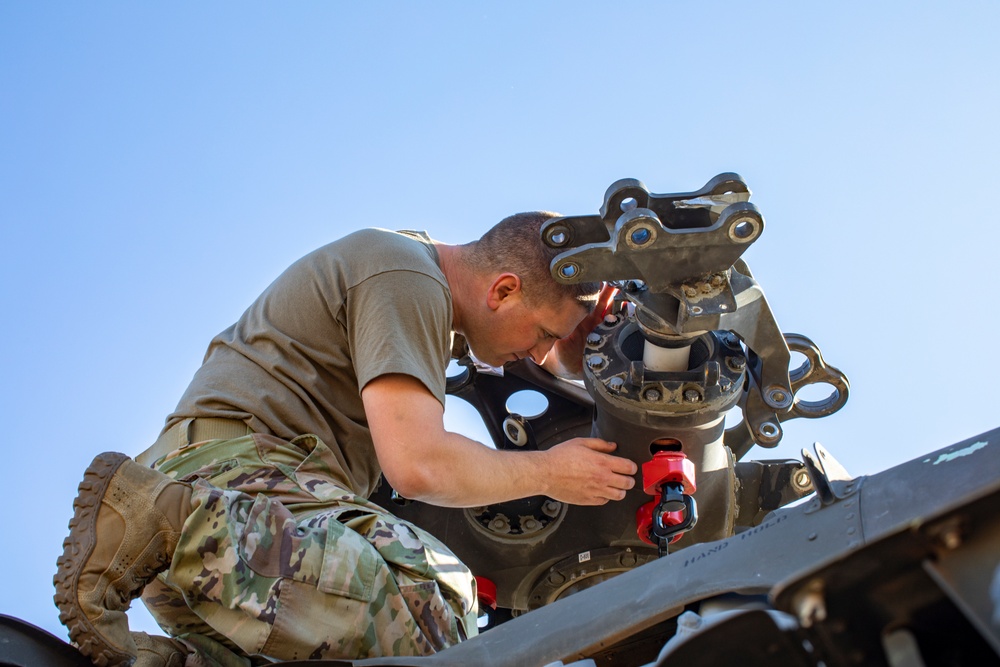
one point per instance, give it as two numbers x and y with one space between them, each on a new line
246 527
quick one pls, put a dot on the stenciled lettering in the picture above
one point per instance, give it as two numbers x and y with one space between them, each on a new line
705 554
762 527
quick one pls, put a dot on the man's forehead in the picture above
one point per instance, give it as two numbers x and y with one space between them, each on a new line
563 316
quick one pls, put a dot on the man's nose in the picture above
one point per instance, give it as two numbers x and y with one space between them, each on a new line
539 351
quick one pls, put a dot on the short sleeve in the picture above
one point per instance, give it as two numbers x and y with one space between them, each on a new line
400 322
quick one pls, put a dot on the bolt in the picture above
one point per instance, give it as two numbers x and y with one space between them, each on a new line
593 339
611 320
556 579
530 525
595 362
692 396
551 508
690 291
736 363
500 524
689 620
705 288
652 394
616 383
718 280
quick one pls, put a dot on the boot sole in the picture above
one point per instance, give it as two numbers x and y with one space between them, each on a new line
77 549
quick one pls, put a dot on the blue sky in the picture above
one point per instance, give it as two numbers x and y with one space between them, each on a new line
161 163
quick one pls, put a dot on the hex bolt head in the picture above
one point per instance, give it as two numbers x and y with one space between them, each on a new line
551 508
718 280
595 362
611 320
690 291
593 339
530 525
652 394
736 363
616 383
692 396
500 524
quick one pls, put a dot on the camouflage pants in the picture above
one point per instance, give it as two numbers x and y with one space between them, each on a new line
277 560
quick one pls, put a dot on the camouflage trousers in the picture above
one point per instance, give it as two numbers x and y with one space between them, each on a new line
278 560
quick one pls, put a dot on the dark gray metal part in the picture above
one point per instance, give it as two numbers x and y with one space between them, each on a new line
813 371
519 561
682 251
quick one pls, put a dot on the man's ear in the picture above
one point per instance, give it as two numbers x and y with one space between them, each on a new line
503 287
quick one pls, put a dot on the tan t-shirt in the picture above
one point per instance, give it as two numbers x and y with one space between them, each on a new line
372 303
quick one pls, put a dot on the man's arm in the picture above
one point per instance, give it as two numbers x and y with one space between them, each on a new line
423 461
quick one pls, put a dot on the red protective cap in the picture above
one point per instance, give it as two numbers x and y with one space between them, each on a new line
487 592
668 467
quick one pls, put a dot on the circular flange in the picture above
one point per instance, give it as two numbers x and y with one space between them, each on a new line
527 519
583 570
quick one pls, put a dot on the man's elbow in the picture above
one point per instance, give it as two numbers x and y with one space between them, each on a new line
413 482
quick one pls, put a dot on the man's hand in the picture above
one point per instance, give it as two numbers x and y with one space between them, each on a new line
565 359
583 472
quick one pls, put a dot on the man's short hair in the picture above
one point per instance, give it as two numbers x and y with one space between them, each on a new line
515 245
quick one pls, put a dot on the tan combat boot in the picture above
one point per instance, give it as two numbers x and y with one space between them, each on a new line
156 651
124 531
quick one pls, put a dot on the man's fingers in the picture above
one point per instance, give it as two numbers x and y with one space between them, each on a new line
624 466
605 298
597 444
